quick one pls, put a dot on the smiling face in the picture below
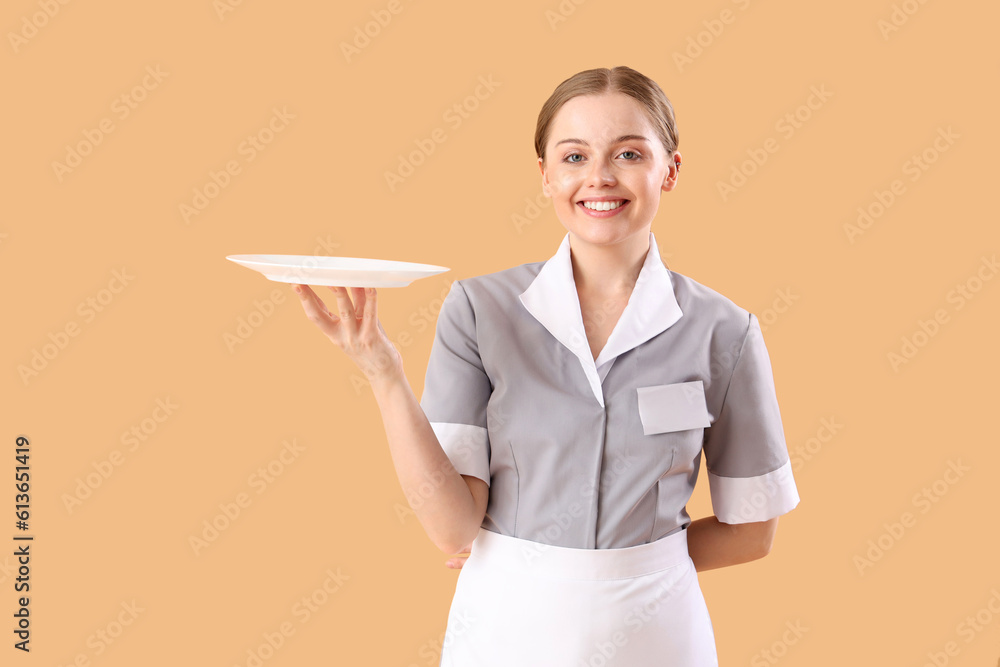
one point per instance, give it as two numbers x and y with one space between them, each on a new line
604 168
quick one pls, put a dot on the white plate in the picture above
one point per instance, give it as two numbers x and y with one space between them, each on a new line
340 271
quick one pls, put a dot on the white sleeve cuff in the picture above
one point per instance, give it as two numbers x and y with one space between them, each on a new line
747 499
467 446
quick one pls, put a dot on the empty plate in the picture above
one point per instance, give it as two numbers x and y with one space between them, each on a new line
337 271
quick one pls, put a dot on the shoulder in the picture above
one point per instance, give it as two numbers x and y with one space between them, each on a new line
500 287
710 313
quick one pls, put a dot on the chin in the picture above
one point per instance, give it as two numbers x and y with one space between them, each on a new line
602 234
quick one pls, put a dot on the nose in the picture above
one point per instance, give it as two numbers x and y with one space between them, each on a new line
601 173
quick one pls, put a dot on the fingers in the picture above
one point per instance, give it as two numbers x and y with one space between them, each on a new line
352 323
456 563
370 321
360 296
345 308
361 316
316 310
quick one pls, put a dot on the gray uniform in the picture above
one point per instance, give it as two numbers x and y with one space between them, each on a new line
604 453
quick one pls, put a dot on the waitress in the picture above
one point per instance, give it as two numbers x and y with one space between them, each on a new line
566 407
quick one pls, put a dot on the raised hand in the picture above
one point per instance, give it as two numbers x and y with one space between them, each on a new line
354 328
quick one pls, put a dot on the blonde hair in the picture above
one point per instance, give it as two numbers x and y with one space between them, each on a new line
619 79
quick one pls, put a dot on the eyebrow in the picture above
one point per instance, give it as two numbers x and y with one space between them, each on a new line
624 137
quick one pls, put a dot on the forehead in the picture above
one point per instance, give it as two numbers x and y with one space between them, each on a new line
601 119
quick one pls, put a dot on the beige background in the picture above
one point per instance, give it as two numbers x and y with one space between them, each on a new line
835 306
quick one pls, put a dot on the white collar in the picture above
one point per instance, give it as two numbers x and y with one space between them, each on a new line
552 299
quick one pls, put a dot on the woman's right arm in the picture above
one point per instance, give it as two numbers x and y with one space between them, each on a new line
449 506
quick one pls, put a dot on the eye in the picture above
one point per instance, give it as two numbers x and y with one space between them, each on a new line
569 158
630 153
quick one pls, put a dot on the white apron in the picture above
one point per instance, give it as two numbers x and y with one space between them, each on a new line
526 604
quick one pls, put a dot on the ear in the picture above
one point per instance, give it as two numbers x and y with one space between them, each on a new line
545 178
670 180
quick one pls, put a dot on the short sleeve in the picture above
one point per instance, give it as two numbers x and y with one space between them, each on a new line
457 388
749 471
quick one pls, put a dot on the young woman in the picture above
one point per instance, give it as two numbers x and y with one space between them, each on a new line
566 407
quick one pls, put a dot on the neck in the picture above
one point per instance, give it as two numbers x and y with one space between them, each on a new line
608 269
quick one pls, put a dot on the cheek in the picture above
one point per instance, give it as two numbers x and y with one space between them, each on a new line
563 183
651 185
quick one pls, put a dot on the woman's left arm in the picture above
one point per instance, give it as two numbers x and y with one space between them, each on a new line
713 544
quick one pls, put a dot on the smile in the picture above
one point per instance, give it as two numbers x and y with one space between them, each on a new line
605 207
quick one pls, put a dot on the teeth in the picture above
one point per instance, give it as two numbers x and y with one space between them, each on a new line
603 205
